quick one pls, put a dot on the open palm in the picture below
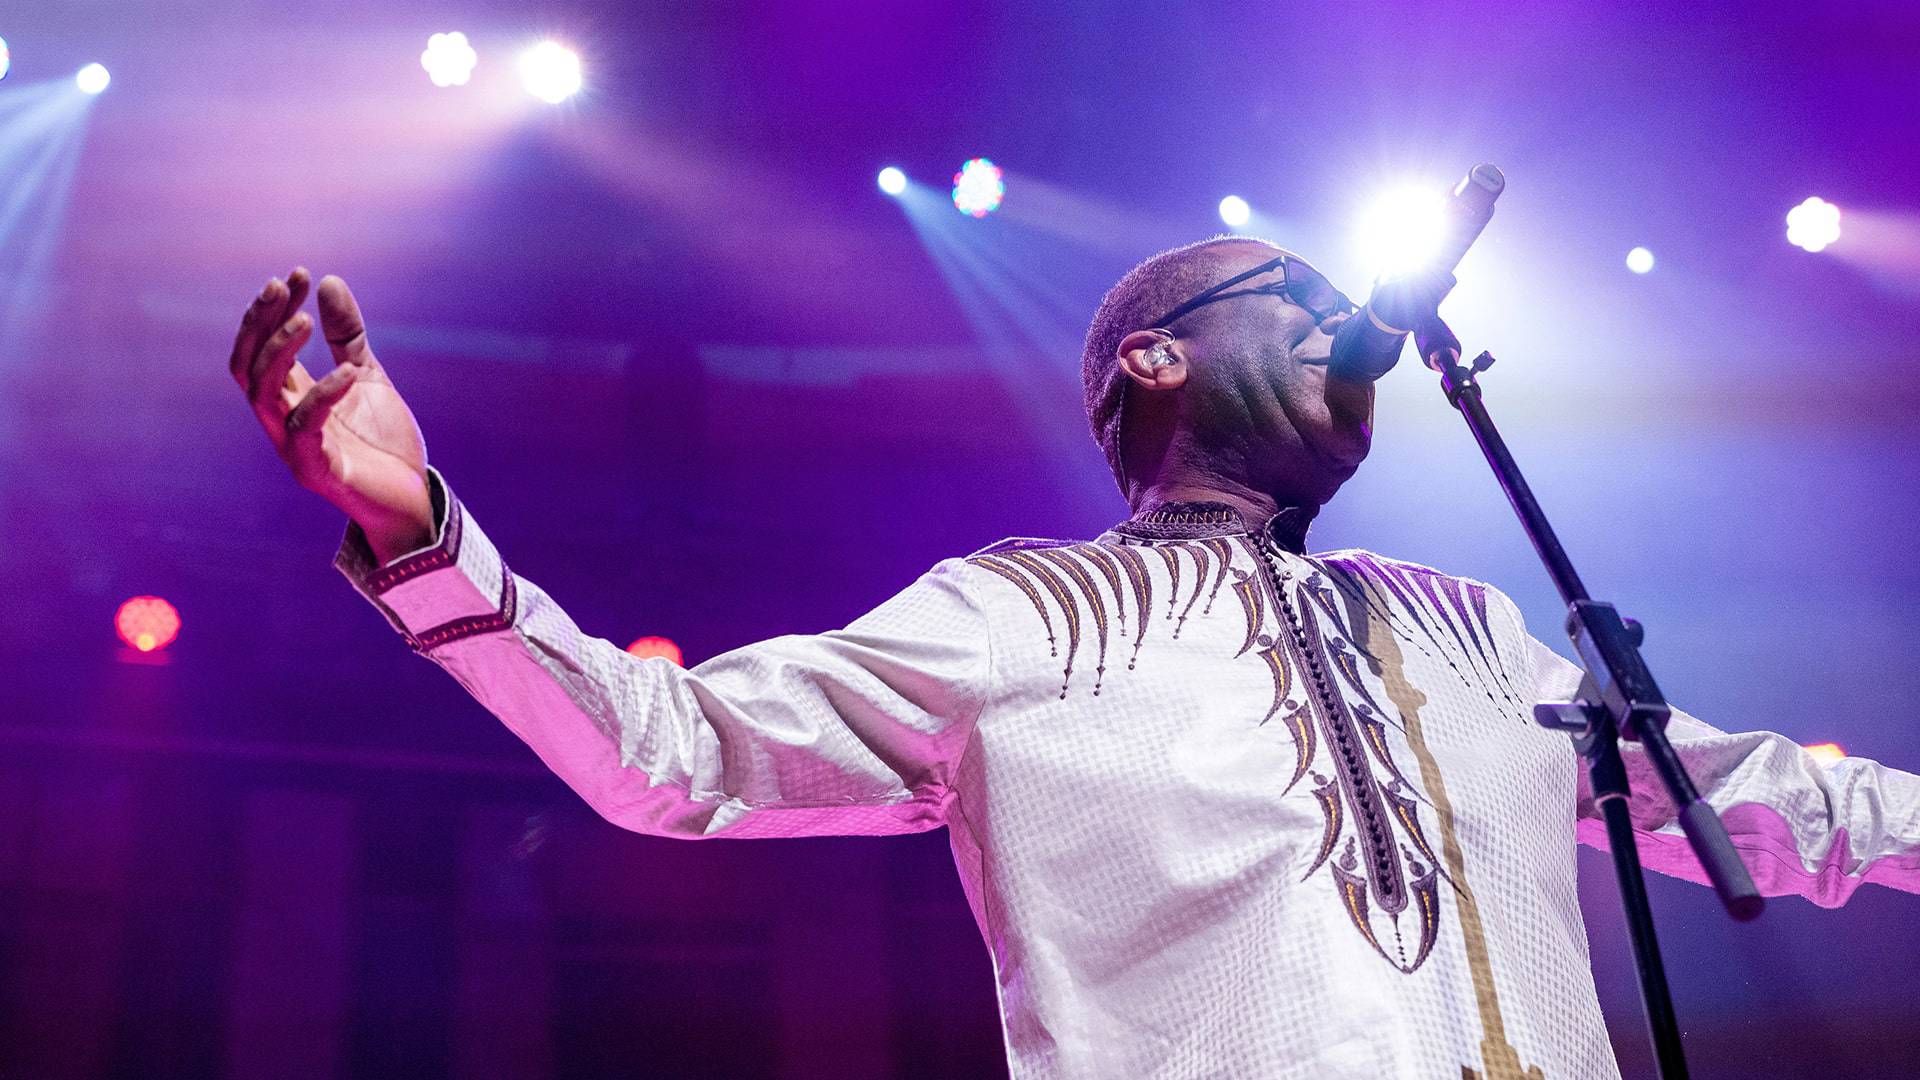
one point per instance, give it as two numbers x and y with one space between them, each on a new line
347 436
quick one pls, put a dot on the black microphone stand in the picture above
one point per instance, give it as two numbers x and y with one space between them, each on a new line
1617 699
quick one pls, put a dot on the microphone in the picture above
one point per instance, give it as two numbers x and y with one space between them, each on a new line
1368 344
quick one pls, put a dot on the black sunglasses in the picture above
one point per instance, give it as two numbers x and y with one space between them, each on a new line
1302 284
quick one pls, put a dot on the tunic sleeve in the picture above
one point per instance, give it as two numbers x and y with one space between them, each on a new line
1802 827
851 732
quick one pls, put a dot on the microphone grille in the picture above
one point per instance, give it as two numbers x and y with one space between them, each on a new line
1487 178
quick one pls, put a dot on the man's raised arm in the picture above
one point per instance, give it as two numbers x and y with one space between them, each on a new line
856 731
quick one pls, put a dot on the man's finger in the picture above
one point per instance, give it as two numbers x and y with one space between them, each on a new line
310 415
253 326
294 295
299 381
296 387
276 302
340 318
276 358
299 283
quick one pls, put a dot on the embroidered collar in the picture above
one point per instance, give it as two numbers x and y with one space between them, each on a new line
1199 520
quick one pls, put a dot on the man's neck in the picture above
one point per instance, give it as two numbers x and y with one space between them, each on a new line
1257 507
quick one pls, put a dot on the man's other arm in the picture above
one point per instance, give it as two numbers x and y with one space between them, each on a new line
857 731
1802 827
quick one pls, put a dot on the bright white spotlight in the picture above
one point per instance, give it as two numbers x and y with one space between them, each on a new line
1813 224
1402 230
449 59
978 188
892 180
92 79
1235 211
6 59
1640 260
551 72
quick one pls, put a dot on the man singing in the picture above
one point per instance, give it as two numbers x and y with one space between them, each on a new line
1221 808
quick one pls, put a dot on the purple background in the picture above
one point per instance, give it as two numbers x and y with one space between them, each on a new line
699 378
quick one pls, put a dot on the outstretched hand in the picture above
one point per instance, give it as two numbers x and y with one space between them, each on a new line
347 436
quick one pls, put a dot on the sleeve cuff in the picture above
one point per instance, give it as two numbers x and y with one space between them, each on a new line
455 589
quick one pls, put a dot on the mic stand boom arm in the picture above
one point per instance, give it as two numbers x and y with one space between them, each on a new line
1618 699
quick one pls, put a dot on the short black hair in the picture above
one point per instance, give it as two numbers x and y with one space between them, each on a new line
1146 292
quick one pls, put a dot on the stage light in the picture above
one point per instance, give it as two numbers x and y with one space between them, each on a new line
147 623
551 72
1813 224
1640 260
1235 211
1401 230
92 79
978 187
6 59
892 180
1826 753
657 646
449 59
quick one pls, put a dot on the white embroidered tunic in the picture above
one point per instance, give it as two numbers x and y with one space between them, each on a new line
1221 809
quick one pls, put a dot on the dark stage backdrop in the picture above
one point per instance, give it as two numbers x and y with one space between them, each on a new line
699 379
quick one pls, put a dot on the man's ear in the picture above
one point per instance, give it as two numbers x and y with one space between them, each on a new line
1154 360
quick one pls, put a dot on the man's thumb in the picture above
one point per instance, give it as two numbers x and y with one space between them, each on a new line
340 321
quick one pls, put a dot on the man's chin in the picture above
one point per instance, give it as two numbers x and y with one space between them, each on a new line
1336 456
1349 401
1349 434
1344 451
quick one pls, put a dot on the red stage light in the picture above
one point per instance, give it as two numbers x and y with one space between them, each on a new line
657 646
147 623
1826 753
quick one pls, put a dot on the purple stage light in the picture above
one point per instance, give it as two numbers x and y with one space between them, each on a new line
978 187
892 181
1640 260
6 59
1814 224
1235 212
92 79
449 59
551 72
